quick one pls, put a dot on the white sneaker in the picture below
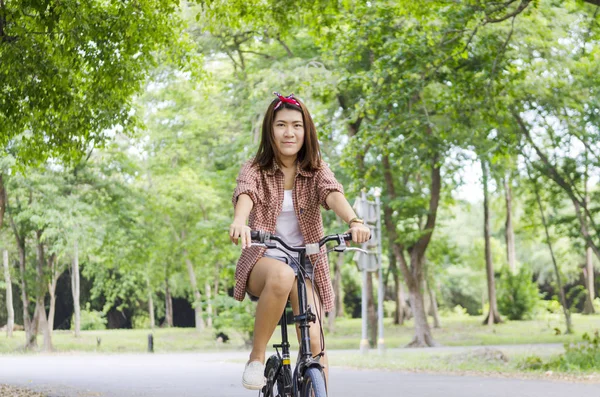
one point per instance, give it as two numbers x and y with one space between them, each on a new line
254 376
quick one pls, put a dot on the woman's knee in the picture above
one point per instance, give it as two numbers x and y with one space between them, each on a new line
281 280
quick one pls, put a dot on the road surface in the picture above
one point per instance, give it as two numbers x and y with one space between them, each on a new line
219 374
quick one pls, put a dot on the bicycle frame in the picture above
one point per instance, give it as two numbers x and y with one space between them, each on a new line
303 319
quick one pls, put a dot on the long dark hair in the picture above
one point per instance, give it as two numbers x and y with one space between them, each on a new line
309 156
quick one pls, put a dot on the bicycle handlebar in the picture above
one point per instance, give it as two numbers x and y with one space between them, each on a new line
263 237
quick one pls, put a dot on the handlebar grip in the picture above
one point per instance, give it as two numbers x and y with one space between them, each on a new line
255 235
348 236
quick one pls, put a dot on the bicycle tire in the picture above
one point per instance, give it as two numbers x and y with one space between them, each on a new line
313 384
274 386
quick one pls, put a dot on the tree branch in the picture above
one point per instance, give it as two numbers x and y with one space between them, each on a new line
258 53
418 250
501 53
520 9
287 49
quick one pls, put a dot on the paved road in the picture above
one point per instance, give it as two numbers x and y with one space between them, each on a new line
211 374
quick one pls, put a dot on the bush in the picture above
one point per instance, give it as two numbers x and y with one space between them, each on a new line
579 356
91 320
141 320
582 356
461 286
234 315
518 295
457 311
389 308
531 363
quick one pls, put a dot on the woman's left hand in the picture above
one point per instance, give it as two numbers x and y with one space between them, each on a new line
360 233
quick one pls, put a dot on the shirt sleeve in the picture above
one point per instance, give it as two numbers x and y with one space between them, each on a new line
326 183
246 184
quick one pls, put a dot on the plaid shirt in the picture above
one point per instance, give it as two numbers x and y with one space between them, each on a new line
265 188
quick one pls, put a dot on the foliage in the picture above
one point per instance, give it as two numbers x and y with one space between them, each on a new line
141 320
462 287
70 69
91 320
518 294
578 357
235 316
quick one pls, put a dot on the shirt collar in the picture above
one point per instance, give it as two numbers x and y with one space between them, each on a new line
275 167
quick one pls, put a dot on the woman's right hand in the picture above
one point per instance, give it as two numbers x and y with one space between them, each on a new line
239 231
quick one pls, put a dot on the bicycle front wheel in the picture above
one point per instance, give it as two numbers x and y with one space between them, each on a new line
314 383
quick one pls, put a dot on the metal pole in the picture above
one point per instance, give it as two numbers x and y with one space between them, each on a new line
150 343
364 342
380 341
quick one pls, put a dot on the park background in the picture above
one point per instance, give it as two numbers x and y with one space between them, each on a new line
123 126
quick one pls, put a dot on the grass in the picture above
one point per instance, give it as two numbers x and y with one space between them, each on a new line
519 338
469 331
455 331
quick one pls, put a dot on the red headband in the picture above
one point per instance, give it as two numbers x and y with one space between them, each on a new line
287 99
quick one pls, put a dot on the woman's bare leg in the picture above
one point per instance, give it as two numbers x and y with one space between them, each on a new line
271 280
315 328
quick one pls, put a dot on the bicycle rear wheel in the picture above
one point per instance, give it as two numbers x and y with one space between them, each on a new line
314 383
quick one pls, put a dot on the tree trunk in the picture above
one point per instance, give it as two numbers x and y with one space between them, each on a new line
197 296
398 311
10 321
41 294
52 291
150 305
209 310
413 275
199 321
509 232
75 290
217 282
28 325
588 271
52 310
337 290
493 316
405 313
589 280
561 292
151 310
2 200
423 336
433 309
168 305
371 311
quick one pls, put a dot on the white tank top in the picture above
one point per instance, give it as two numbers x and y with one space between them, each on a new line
287 227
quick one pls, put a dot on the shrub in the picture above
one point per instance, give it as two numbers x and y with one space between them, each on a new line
141 320
584 355
531 363
461 286
389 308
518 295
91 320
234 315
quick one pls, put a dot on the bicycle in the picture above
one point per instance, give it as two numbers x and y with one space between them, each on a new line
307 379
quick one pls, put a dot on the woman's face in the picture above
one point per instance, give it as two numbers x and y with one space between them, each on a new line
288 131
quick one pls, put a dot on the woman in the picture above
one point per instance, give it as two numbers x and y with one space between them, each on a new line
280 191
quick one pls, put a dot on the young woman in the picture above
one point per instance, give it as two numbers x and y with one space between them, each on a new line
280 191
